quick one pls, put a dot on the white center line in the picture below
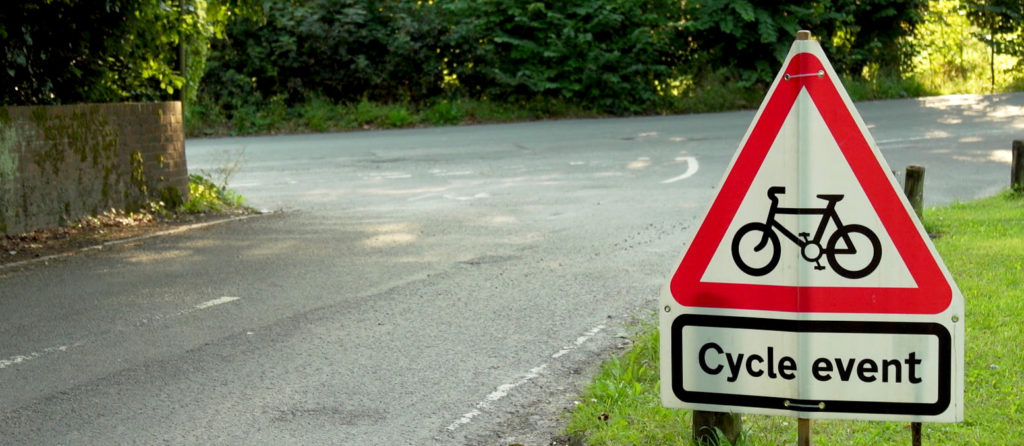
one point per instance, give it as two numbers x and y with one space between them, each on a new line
19 359
215 302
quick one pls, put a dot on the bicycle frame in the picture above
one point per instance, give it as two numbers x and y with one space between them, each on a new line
828 213
811 249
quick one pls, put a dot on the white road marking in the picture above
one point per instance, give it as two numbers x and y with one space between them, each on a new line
215 302
19 359
561 353
579 341
691 169
503 390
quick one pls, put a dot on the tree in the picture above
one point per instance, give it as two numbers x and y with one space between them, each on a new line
63 51
747 39
1002 22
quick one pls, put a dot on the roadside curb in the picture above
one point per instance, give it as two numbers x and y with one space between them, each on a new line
110 243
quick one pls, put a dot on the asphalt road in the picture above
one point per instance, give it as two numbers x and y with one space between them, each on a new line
427 286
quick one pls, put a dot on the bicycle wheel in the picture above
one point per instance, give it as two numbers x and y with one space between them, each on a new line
856 240
755 249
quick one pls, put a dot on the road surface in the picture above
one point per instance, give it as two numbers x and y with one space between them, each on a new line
425 286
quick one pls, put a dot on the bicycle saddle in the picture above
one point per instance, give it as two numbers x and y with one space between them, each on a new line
831 198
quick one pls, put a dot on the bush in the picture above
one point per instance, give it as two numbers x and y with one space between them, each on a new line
343 50
608 55
207 196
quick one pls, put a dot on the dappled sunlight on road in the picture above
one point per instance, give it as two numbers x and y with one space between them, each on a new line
324 195
1001 156
640 163
390 239
984 108
142 257
271 249
935 134
986 156
386 235
500 220
954 101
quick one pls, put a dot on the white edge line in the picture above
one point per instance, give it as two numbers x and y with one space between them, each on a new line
503 390
464 420
123 241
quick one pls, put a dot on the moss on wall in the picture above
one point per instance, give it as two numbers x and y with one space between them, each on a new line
9 172
72 161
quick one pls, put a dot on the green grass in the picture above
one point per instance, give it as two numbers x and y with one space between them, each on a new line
205 196
982 244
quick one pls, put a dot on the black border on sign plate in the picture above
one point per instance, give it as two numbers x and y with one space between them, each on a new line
806 406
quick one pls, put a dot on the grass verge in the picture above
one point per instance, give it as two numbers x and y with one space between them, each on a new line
981 243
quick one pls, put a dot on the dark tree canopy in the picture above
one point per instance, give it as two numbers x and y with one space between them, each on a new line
64 51
748 38
617 56
60 51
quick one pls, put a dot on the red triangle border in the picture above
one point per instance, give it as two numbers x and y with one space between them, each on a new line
933 294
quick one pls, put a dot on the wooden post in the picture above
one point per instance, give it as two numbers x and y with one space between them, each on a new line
915 434
803 436
913 187
705 424
1017 168
803 34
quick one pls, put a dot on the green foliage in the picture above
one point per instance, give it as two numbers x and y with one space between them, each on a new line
955 57
331 65
207 196
620 406
1001 23
66 51
604 54
445 112
342 50
746 40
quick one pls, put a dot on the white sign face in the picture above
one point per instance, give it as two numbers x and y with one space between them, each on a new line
795 214
861 367
810 288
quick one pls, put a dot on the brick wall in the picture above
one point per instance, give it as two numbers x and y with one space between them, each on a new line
61 163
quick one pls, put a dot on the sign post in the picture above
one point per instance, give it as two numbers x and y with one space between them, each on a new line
810 289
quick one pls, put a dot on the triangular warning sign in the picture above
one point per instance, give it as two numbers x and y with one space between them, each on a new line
808 218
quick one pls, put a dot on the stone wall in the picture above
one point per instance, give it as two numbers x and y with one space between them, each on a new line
61 163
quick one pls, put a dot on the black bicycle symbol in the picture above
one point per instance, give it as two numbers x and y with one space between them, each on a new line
765 236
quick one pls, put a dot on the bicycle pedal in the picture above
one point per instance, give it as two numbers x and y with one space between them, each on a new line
819 267
805 235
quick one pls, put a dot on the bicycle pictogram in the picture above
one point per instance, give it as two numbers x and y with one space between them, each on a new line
840 251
